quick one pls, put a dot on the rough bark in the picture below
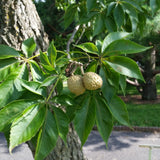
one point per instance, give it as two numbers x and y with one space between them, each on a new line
149 90
18 21
71 151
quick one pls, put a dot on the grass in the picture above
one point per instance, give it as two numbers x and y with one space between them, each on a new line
146 115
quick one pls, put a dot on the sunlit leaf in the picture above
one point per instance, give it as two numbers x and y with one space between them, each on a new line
7 52
12 110
85 118
123 46
27 125
125 66
103 118
62 122
28 47
88 47
119 110
47 137
111 37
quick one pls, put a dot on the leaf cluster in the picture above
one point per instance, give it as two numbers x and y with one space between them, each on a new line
36 106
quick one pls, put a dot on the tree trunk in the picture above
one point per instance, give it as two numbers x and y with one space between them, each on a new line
18 21
149 90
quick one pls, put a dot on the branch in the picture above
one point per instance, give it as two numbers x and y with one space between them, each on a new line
155 72
71 40
134 83
81 35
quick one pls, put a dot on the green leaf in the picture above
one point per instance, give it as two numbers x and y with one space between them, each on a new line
12 110
98 25
59 86
91 4
98 45
6 66
85 118
49 81
113 37
123 46
69 104
36 71
103 118
12 86
132 13
125 66
110 8
118 14
111 75
64 100
28 47
47 137
88 47
92 67
70 15
107 90
52 53
44 58
122 82
34 87
62 122
119 110
110 24
135 4
154 6
7 52
27 125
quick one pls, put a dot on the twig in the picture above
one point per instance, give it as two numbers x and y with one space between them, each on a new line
134 83
71 40
81 35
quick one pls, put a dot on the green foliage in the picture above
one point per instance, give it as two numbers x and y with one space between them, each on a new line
39 108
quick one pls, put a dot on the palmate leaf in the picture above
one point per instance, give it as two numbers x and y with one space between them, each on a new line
36 71
103 118
88 47
132 13
123 46
119 110
47 137
111 75
12 86
28 47
134 4
91 4
70 15
110 24
118 15
62 123
113 37
44 58
85 118
122 83
7 52
108 90
52 53
27 125
12 110
125 66
49 80
6 66
34 87
99 25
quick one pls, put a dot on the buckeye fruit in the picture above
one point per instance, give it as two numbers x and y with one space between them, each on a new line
92 81
75 84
